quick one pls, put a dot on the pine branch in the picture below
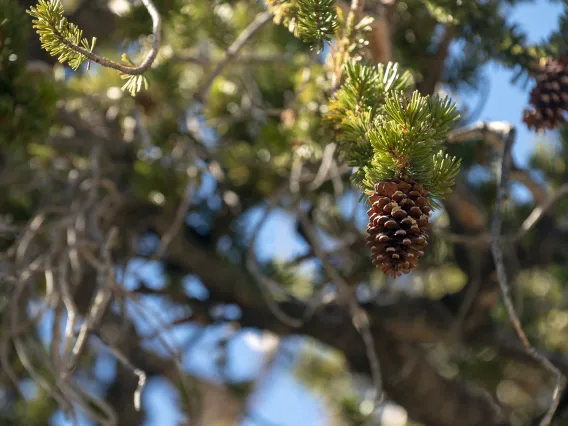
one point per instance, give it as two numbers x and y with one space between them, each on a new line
408 142
57 35
314 21
62 38
357 104
387 135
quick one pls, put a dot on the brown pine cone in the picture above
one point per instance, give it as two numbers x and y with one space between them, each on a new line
549 98
398 223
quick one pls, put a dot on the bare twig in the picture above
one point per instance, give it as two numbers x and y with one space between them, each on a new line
88 402
493 133
359 316
117 353
265 284
105 281
24 355
70 307
466 239
354 11
532 219
326 162
125 69
234 49
296 174
176 225
336 178
173 349
497 252
347 243
541 210
241 60
524 177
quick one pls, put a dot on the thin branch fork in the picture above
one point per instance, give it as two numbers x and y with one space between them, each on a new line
531 220
148 60
257 23
497 252
541 210
494 133
245 59
359 316
266 285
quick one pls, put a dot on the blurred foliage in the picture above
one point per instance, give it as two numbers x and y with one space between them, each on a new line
265 116
27 97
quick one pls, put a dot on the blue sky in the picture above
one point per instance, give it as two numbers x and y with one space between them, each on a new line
282 399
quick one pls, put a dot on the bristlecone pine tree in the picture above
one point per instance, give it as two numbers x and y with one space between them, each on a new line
395 144
549 98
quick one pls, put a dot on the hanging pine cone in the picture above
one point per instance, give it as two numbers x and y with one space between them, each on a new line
398 221
550 96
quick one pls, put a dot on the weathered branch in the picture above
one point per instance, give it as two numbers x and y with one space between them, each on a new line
358 315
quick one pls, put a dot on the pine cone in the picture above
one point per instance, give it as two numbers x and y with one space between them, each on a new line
550 96
398 221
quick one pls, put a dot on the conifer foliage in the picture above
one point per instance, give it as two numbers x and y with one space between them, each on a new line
314 21
63 39
395 143
57 35
113 207
391 139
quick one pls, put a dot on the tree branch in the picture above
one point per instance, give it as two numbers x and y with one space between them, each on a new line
407 375
125 69
504 286
233 51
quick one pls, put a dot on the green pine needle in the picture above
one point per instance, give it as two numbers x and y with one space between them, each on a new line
385 134
134 83
57 35
444 171
314 21
365 87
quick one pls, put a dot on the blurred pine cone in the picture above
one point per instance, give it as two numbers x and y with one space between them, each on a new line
398 223
549 98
